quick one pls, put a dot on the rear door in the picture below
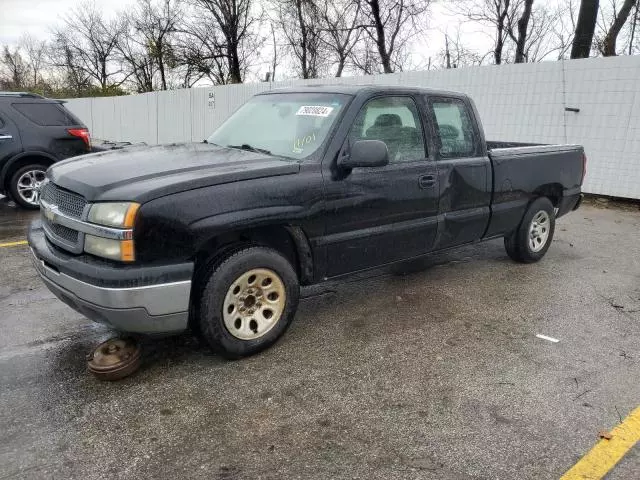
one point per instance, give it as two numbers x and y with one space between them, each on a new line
464 171
378 215
46 125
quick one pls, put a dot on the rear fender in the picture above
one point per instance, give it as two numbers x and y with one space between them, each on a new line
23 158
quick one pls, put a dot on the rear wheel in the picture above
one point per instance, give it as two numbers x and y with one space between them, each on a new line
248 301
531 240
24 185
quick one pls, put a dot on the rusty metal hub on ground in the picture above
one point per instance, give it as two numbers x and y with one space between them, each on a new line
114 359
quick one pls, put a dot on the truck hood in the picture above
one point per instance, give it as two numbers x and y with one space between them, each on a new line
143 173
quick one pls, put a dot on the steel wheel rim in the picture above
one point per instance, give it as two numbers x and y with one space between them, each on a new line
539 231
254 304
28 186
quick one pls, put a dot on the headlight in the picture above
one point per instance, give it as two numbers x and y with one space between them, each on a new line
121 250
119 215
114 214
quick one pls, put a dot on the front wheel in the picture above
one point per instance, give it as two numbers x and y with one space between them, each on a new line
248 301
24 185
531 240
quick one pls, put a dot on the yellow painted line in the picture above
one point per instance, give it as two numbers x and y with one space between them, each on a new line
606 453
13 244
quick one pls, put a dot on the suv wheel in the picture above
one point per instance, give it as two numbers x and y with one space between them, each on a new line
247 302
532 238
24 185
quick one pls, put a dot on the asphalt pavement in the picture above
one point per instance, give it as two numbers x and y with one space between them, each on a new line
429 371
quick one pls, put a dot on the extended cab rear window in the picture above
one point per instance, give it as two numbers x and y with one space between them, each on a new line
454 128
46 114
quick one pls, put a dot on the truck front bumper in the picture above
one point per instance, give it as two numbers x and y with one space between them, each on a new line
130 298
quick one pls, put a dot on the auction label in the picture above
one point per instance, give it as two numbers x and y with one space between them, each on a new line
315 111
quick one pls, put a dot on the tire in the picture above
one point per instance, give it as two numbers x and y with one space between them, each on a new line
531 240
24 185
238 315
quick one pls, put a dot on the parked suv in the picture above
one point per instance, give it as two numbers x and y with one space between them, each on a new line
35 132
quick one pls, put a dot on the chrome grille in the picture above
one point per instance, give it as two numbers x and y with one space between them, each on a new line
63 232
67 202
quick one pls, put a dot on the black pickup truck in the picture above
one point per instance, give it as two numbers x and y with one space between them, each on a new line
297 187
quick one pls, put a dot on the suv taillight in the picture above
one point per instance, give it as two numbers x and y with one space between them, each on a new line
82 133
584 167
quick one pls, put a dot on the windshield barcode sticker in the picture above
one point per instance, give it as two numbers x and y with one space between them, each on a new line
315 111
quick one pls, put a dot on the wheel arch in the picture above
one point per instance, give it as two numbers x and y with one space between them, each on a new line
289 240
553 191
20 160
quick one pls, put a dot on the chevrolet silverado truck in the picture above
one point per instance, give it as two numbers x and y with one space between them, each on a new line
297 187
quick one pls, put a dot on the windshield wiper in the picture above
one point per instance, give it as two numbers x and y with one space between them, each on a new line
246 146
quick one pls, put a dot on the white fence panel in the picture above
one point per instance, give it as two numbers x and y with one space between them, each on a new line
81 108
607 93
523 103
138 118
105 124
203 108
174 116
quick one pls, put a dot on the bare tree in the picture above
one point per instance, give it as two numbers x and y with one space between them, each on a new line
520 39
274 59
456 54
34 52
340 20
391 24
201 51
634 24
541 42
300 25
153 23
532 31
90 42
235 20
563 29
364 56
496 14
607 45
62 56
138 59
15 69
585 28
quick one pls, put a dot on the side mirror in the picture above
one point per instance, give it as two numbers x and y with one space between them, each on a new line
366 153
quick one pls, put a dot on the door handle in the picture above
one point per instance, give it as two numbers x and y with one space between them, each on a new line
427 181
5 137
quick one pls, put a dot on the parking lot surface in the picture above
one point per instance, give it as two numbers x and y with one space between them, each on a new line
429 370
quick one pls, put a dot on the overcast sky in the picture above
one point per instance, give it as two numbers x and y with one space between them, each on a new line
37 17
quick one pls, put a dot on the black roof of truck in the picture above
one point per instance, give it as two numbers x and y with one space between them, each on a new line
363 89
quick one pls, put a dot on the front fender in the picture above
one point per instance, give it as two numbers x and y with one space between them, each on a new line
227 223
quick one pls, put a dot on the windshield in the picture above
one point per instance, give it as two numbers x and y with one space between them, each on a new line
290 125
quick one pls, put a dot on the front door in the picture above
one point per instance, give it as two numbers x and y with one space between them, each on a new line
379 215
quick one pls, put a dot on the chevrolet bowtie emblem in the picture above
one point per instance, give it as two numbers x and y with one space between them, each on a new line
50 212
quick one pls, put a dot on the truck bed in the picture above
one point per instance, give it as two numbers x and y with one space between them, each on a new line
522 171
